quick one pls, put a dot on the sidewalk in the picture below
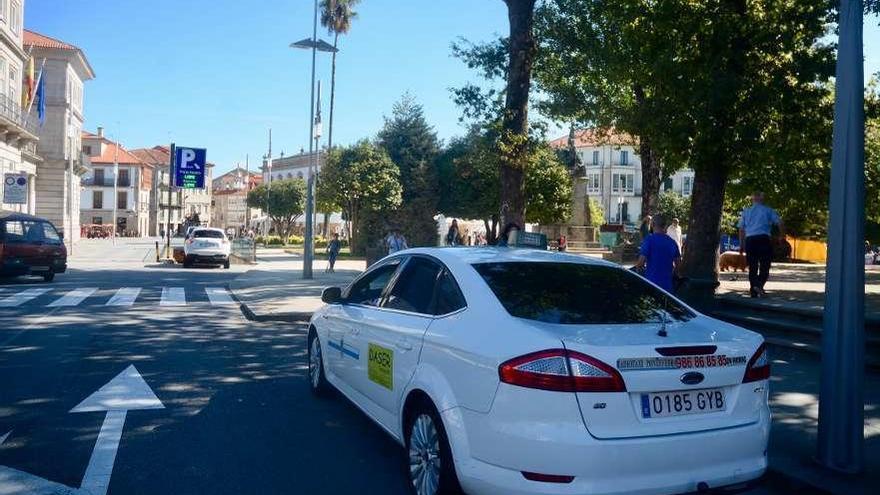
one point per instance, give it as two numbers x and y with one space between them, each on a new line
799 288
275 290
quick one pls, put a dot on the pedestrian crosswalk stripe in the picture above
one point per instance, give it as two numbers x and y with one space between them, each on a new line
22 297
218 296
173 296
124 296
73 297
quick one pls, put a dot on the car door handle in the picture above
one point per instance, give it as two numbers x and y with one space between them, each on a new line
403 345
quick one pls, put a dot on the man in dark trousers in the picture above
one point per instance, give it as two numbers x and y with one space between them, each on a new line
755 226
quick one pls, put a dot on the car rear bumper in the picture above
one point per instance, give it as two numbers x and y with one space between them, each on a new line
217 258
14 268
492 450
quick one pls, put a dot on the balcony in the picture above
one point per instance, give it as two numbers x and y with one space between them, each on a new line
15 123
105 182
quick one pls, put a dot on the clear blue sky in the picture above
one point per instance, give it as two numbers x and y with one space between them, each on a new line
219 73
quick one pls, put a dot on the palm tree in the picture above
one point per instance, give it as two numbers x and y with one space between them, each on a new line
336 16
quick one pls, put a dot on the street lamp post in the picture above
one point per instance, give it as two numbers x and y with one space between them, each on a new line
313 44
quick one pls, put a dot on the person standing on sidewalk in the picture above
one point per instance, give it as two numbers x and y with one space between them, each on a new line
395 242
674 231
755 226
333 249
659 256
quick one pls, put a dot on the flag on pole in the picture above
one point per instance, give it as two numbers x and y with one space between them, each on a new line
29 84
317 126
41 99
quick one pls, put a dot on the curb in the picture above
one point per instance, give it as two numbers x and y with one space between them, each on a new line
250 315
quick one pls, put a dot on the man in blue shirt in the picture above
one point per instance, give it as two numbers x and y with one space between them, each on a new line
661 255
755 226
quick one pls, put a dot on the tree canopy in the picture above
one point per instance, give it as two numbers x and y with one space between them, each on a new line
286 200
413 146
357 179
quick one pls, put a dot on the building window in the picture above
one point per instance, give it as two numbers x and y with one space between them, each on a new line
594 183
97 220
667 184
97 200
122 200
624 157
13 77
622 183
2 69
123 180
596 157
687 185
86 149
15 17
99 177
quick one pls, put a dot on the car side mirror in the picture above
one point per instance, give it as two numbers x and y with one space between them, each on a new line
332 295
61 235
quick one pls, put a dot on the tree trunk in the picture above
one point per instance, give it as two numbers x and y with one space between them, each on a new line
704 233
514 140
650 166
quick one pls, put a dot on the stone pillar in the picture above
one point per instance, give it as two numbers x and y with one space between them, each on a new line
32 195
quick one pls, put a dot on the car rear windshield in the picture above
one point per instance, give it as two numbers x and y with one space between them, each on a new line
209 233
577 293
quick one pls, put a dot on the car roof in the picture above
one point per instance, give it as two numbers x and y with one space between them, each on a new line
485 254
207 228
14 215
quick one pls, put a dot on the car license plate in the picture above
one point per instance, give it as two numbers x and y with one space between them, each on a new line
679 403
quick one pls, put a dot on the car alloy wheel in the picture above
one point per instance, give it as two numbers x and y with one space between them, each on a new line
424 456
315 363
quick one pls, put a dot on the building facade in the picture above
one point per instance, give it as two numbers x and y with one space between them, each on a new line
19 132
112 168
612 173
229 195
64 70
179 206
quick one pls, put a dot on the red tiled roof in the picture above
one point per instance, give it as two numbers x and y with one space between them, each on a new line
596 137
156 155
32 38
113 153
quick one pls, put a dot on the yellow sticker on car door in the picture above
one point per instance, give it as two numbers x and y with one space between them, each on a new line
380 366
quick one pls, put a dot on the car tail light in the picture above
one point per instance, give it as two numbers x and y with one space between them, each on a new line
758 367
547 478
561 370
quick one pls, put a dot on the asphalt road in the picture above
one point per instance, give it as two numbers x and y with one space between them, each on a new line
237 417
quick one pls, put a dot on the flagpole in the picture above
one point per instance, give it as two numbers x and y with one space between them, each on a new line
115 191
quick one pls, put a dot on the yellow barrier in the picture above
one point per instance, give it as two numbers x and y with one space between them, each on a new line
807 250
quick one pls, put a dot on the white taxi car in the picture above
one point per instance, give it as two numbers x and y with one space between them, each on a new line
206 245
512 371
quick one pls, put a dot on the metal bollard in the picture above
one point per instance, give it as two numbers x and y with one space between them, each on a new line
157 252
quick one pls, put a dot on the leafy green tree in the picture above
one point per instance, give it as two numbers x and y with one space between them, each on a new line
673 205
597 212
360 178
286 199
413 146
469 171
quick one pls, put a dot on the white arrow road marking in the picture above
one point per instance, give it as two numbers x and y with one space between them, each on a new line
173 296
127 391
218 296
4 437
21 298
74 297
125 296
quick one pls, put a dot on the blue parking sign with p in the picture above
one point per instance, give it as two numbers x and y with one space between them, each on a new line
189 167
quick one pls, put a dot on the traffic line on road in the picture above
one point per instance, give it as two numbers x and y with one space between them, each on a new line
21 298
125 296
74 297
218 296
173 296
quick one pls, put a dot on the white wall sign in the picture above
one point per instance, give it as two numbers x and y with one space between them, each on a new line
15 189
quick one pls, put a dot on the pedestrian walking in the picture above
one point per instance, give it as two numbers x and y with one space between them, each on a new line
333 248
645 227
755 226
562 244
395 242
452 235
659 256
674 231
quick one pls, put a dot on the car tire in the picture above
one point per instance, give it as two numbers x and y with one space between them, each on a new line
318 383
429 464
49 276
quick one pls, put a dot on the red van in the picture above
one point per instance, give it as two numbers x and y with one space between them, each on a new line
30 245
